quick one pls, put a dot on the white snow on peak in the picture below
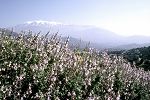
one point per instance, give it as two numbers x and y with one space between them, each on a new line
40 22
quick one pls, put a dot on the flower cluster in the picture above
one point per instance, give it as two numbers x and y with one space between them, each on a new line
43 67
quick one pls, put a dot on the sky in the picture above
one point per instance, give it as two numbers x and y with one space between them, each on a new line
124 17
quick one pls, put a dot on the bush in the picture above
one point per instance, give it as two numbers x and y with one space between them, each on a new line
38 67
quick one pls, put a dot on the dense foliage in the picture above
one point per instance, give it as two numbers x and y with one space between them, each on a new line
37 68
139 56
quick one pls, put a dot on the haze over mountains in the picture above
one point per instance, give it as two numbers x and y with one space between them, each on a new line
98 37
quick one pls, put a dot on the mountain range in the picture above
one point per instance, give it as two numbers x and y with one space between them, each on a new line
98 37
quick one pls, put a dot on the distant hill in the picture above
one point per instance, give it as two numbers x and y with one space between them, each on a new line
130 46
84 32
96 36
78 43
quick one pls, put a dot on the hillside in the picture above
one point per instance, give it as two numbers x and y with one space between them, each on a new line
37 67
141 57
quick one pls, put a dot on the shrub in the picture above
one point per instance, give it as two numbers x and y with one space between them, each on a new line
38 67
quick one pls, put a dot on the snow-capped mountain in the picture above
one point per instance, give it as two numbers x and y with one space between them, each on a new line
83 32
39 23
45 26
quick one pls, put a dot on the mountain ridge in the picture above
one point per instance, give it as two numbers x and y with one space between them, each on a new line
87 33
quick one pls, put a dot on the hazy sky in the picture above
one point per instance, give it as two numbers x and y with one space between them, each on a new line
125 17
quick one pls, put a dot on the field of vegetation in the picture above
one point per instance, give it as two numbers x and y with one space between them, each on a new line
137 56
35 67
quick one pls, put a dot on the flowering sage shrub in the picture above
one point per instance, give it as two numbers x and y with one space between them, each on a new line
34 67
